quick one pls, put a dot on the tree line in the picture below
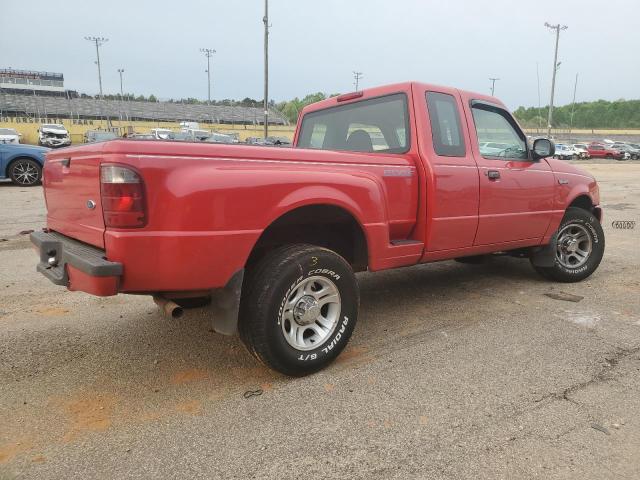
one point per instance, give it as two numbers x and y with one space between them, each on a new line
617 114
598 114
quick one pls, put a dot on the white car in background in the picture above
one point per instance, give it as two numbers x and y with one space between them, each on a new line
9 135
161 133
565 152
582 150
53 135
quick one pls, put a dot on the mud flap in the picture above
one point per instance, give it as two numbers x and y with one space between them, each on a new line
546 256
225 305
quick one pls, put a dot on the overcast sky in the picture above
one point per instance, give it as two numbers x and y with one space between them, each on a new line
315 45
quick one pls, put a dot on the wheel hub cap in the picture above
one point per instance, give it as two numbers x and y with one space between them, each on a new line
310 313
306 310
574 246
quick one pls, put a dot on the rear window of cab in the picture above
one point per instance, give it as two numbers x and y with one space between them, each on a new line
375 125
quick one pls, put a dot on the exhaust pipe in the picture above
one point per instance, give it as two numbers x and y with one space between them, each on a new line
170 309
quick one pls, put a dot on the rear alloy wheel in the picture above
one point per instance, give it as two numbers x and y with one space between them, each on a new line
299 308
25 172
579 247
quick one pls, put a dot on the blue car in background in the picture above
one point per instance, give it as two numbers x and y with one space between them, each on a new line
22 163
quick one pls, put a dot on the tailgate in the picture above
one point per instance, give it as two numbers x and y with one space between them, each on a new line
72 193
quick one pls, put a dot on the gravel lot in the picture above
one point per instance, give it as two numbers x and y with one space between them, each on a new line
454 371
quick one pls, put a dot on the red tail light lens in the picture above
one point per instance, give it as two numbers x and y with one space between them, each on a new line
123 202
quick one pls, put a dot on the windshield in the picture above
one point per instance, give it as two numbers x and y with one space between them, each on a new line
54 126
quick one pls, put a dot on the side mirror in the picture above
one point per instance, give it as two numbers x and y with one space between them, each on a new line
543 147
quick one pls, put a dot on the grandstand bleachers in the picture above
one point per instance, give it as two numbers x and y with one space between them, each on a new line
89 108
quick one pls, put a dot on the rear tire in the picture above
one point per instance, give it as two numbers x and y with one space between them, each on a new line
25 172
579 247
299 308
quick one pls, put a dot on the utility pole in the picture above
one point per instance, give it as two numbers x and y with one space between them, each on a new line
121 71
208 52
356 79
573 105
493 84
98 41
557 29
265 20
539 101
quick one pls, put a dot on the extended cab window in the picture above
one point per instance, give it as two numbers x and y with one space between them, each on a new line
445 125
498 136
376 125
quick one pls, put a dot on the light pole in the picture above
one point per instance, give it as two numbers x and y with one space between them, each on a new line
121 71
356 79
539 102
573 105
208 52
98 41
557 29
493 84
265 20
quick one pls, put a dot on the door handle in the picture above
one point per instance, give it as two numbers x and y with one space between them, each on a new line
493 174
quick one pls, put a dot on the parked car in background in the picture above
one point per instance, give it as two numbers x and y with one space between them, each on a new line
633 152
161 133
22 164
141 136
185 125
279 141
599 150
196 134
9 135
254 141
566 152
219 138
98 136
582 149
182 137
493 148
53 135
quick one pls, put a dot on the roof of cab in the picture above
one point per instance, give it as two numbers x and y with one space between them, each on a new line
406 87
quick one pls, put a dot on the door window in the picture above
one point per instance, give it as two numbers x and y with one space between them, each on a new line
498 136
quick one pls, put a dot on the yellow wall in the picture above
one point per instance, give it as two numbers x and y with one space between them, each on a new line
29 131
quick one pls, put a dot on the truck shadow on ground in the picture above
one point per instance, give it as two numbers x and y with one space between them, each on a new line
124 363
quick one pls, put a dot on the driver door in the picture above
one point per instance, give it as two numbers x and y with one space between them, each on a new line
516 193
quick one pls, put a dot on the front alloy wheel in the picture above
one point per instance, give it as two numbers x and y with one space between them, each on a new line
579 247
574 246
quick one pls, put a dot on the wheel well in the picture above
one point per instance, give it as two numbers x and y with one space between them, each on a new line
21 157
322 225
583 202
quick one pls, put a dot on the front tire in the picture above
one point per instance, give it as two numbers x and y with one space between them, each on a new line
579 247
25 172
299 308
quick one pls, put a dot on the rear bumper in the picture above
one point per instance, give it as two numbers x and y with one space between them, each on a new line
76 265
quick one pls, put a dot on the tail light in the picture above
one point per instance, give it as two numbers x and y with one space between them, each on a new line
122 192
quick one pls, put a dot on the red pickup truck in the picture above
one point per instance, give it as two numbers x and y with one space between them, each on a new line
270 237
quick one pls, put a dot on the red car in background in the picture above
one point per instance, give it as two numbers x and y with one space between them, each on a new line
598 150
